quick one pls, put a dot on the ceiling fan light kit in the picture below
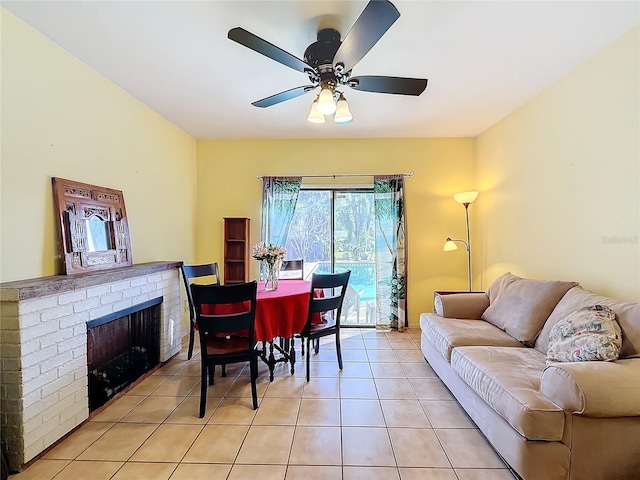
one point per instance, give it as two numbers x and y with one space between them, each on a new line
328 63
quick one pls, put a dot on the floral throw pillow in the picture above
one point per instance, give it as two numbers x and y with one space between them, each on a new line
590 333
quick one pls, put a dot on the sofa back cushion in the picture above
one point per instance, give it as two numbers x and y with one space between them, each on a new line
521 306
627 315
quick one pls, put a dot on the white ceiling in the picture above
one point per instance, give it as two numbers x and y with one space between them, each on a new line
483 59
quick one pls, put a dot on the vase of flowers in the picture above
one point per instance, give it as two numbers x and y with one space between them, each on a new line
271 257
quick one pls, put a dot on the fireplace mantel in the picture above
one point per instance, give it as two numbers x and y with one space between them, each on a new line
43 286
43 325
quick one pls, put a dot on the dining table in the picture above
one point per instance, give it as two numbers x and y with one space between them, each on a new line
280 315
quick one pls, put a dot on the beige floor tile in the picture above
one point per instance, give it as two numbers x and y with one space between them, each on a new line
351 356
323 472
168 443
242 387
484 474
367 446
430 389
325 369
148 385
172 366
358 388
354 343
418 370
119 442
387 370
403 344
379 343
395 389
263 472
371 473
427 474
316 446
361 413
145 471
152 410
407 441
404 413
356 370
285 386
322 388
78 441
118 409
319 412
176 386
408 356
446 414
87 471
218 390
467 448
266 445
217 444
189 410
382 356
238 411
277 411
41 470
200 471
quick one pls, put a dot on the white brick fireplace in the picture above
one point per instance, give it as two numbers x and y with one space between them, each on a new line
44 386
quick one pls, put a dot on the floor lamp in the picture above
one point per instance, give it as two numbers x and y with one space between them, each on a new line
466 199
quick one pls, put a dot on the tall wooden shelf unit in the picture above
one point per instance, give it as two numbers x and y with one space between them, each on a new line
236 250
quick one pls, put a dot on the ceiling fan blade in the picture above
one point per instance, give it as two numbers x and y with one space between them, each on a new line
257 44
283 96
395 85
371 25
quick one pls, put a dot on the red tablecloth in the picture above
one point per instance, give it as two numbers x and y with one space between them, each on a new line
279 313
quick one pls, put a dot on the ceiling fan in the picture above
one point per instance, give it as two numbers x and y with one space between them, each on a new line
328 63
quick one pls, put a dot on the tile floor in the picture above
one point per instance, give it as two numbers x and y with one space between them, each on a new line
385 416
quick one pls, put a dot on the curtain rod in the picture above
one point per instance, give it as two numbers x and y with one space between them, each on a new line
334 176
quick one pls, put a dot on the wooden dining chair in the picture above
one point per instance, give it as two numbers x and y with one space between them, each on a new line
190 272
327 304
220 311
292 269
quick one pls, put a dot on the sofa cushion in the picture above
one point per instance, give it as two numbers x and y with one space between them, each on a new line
447 333
520 306
627 315
508 380
589 333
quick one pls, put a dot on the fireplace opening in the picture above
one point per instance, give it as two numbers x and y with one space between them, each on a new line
121 347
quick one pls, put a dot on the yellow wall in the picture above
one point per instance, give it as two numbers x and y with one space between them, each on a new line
61 118
560 179
227 188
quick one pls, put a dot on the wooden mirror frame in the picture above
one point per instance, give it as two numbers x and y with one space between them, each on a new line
76 203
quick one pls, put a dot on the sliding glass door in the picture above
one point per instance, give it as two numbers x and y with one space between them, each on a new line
334 231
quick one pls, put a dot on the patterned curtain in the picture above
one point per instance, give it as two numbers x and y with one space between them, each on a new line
391 262
279 198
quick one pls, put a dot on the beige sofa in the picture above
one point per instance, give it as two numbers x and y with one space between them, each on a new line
548 420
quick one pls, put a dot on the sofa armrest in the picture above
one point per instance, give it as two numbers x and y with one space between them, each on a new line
461 305
596 389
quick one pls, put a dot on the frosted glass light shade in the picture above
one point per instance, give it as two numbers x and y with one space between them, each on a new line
326 103
314 115
450 245
465 197
343 114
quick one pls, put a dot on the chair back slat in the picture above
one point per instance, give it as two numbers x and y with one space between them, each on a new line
190 272
334 287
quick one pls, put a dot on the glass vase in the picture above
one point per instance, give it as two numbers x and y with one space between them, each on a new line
272 271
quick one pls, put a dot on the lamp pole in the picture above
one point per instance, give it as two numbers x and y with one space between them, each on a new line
466 211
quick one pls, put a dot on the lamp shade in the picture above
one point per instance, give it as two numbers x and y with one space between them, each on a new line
314 114
450 245
326 103
343 114
465 197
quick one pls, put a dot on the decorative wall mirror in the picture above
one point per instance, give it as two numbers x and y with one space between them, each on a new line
93 229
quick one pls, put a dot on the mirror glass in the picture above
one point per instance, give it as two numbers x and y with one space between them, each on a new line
98 238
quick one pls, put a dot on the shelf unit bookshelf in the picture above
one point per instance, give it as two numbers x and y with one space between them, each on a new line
236 249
